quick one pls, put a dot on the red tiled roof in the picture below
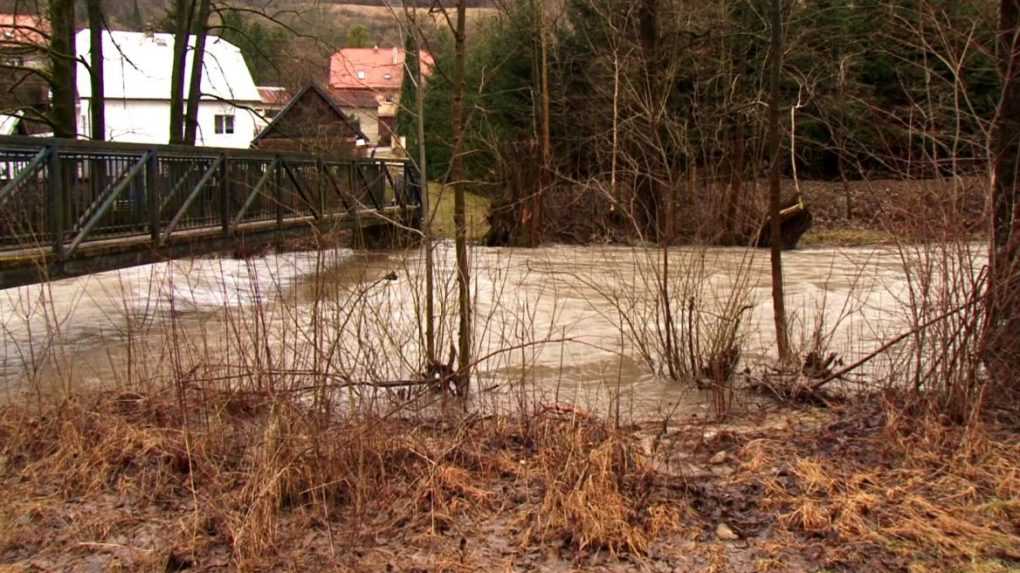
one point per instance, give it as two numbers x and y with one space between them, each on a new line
274 95
22 29
371 68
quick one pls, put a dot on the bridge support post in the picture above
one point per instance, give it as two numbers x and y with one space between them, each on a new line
55 192
320 177
153 195
225 196
278 192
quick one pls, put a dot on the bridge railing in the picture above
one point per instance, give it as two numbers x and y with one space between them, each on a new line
65 193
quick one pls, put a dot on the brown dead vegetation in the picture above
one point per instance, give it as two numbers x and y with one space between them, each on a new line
235 480
146 482
882 491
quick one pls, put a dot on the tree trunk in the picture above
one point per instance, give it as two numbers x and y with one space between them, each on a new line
545 174
182 31
63 68
137 20
197 65
1002 353
775 155
457 178
430 325
736 187
648 193
97 101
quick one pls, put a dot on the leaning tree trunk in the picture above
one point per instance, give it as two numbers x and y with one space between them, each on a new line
63 69
97 101
197 66
1002 353
775 224
185 11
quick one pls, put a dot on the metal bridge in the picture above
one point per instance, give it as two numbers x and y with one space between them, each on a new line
73 207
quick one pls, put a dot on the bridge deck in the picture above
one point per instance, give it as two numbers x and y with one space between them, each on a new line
71 207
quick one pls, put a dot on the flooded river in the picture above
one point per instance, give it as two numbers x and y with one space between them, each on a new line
570 322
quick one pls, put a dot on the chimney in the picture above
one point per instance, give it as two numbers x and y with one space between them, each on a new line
396 56
375 49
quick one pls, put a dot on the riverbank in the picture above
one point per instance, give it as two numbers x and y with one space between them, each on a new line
221 480
851 214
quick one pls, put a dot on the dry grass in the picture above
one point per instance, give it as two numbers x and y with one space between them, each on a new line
919 496
240 480
146 482
587 500
846 236
476 213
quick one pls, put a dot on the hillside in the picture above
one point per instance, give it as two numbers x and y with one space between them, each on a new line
298 36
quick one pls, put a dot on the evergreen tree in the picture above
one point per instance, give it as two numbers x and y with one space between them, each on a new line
260 45
136 22
408 99
357 37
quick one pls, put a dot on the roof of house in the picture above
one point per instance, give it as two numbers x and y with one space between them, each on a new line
275 127
350 98
22 29
139 65
273 95
371 68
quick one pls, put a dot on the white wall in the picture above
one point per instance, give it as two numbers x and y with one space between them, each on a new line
148 121
369 120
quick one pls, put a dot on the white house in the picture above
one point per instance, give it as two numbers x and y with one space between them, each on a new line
137 70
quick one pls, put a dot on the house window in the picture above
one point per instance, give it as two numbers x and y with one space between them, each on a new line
224 124
361 75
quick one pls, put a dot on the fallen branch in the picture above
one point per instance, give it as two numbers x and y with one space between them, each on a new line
882 349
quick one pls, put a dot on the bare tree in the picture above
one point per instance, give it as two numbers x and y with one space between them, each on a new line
545 140
184 11
418 77
457 177
97 102
197 66
775 64
1003 345
63 69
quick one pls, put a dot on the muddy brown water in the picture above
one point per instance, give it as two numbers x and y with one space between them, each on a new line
547 320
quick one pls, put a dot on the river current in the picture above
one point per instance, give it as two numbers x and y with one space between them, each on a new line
568 321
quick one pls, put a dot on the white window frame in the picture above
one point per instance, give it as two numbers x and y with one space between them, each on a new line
224 124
